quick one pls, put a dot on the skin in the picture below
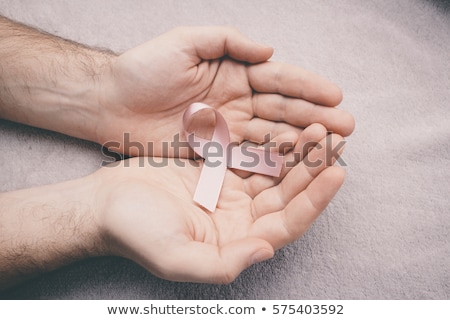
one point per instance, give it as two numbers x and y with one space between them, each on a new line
129 210
98 96
256 97
135 210
184 242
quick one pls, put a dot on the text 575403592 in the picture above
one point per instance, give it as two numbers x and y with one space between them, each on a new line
307 309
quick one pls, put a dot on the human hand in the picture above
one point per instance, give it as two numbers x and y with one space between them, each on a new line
149 216
145 212
145 91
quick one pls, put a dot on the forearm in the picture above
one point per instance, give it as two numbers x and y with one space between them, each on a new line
49 82
46 227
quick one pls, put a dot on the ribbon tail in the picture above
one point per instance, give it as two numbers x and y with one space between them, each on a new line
256 160
210 184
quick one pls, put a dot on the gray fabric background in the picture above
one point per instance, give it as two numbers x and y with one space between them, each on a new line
384 236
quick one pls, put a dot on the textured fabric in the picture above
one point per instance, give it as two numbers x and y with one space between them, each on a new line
385 235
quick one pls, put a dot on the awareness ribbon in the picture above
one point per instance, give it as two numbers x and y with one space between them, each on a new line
213 172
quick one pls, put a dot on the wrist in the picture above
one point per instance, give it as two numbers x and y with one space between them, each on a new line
76 105
49 82
72 104
44 228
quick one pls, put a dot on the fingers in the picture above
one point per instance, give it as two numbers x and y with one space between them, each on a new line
322 156
306 141
202 262
293 81
309 138
301 113
259 129
287 225
214 42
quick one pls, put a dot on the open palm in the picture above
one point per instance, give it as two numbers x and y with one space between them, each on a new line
149 215
149 87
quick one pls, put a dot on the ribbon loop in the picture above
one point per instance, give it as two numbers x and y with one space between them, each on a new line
225 155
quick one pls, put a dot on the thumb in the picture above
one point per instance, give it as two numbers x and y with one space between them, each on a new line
214 42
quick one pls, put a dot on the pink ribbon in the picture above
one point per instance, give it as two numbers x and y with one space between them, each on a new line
225 155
